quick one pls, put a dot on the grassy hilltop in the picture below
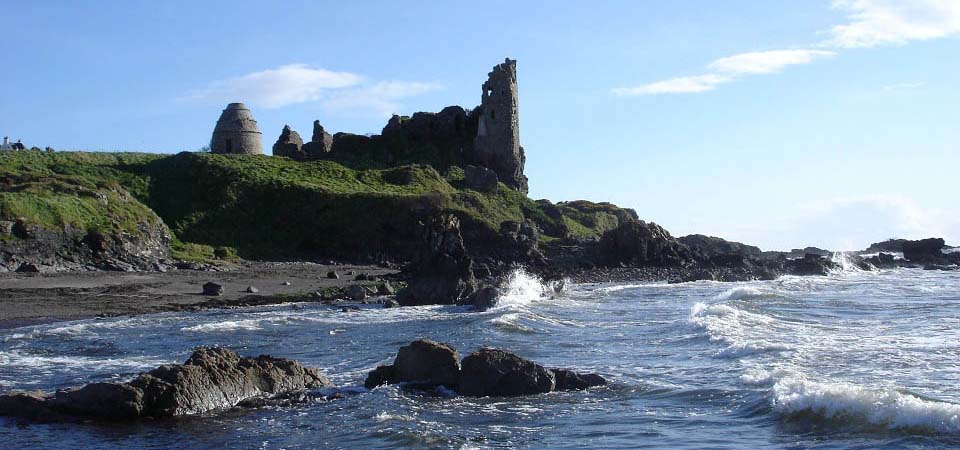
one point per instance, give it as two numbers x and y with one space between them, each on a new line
268 207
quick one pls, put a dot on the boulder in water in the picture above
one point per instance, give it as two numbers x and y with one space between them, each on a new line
484 299
492 372
211 379
424 362
568 380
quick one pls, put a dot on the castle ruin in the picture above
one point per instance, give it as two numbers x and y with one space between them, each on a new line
487 136
497 145
236 132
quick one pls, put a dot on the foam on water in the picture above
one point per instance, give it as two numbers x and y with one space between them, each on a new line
743 293
229 325
745 333
887 408
521 289
45 363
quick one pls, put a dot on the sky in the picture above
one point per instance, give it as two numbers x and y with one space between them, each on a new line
773 122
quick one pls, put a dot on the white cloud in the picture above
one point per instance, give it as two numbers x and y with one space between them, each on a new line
300 83
899 87
680 85
871 23
773 61
894 22
380 98
727 69
273 88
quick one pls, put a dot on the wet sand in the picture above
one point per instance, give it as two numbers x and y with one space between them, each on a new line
27 299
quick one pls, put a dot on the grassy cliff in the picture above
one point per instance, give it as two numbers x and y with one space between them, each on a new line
269 207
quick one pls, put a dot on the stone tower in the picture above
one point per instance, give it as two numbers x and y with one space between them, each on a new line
497 144
236 132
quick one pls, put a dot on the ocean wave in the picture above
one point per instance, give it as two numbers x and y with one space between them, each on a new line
886 408
743 293
521 289
745 333
510 323
45 364
229 325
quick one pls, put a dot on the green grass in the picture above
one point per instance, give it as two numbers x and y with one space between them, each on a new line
255 206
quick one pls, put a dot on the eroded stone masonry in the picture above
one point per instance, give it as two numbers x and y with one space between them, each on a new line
487 136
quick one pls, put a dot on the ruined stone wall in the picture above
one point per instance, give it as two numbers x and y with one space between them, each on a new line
497 144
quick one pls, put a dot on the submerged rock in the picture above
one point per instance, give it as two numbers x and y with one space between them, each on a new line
211 379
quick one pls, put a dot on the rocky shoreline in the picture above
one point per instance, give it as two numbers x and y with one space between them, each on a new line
218 379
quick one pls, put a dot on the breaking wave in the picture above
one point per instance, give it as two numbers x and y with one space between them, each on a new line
230 325
743 293
744 333
522 289
886 408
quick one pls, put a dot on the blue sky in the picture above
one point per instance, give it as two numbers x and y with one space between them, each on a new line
778 123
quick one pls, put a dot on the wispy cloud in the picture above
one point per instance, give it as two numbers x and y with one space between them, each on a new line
899 87
728 69
773 61
679 85
870 23
381 97
894 22
301 83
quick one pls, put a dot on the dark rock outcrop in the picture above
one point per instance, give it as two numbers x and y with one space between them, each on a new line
211 288
289 144
568 380
496 373
484 299
356 293
810 264
443 272
424 362
924 251
889 246
706 247
636 242
480 179
72 249
211 379
486 372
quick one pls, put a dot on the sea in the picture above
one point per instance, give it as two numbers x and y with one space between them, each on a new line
853 360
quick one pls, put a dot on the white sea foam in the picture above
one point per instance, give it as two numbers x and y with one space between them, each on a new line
742 293
745 333
888 408
45 363
521 289
229 325
844 264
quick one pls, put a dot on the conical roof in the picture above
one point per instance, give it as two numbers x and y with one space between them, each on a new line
236 117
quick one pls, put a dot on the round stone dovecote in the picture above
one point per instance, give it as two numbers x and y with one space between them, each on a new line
236 132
